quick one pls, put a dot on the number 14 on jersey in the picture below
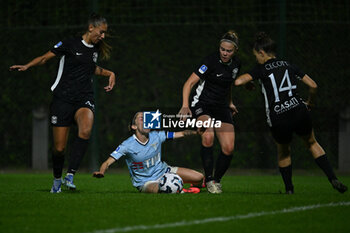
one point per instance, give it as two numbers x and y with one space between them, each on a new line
285 85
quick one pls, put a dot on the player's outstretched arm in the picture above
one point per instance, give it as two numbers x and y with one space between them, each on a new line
103 168
36 61
184 133
243 79
107 73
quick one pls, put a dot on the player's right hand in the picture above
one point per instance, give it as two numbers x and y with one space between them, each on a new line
184 113
98 175
18 68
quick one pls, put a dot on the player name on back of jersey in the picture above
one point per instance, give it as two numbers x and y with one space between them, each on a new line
275 64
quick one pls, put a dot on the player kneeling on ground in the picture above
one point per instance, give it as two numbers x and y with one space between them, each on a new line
143 157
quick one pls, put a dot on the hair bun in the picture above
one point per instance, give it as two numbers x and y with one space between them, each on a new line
261 36
231 35
93 15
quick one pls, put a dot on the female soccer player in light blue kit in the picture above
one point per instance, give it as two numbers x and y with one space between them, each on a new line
143 158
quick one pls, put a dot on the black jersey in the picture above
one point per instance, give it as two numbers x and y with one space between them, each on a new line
278 80
76 67
216 79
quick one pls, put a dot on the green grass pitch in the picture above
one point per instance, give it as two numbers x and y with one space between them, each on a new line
250 203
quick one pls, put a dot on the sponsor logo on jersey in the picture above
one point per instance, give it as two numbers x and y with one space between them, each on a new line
118 148
78 54
137 165
234 73
287 105
58 45
151 120
152 161
94 56
54 120
219 75
202 69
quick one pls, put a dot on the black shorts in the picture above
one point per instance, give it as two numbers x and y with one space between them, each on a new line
224 114
62 112
297 121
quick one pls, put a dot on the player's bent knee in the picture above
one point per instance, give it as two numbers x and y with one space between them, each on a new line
59 149
199 177
85 134
227 150
207 140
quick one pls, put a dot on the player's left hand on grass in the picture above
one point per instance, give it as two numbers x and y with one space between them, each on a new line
98 175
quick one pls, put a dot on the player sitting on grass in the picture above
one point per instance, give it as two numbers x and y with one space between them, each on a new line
142 153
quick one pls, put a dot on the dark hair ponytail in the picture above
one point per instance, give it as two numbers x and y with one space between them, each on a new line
105 49
264 42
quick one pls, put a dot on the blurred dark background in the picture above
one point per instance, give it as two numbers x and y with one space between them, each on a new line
157 44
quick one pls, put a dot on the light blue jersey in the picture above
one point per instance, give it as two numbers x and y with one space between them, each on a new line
143 159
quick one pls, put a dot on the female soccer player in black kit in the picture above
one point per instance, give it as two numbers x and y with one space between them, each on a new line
215 76
285 110
73 97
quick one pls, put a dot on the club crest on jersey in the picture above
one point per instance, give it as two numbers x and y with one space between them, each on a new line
154 145
234 73
94 56
202 69
58 45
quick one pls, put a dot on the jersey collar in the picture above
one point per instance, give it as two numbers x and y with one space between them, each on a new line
87 45
226 64
142 143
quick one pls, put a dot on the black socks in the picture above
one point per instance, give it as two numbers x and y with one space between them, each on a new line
77 154
207 162
222 164
57 163
286 173
324 164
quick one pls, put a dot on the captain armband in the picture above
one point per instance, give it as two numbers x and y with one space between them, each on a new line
170 135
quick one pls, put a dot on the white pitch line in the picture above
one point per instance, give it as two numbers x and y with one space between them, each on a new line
220 219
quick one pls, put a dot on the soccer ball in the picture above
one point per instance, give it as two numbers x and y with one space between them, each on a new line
170 183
